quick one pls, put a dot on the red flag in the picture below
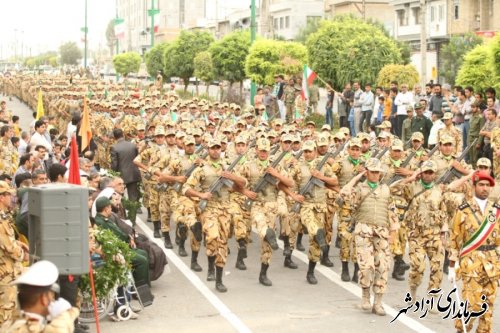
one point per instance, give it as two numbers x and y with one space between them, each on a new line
85 130
74 168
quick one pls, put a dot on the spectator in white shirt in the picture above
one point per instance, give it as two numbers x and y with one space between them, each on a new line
403 99
38 138
23 143
437 125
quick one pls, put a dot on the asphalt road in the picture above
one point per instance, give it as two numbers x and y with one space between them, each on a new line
186 302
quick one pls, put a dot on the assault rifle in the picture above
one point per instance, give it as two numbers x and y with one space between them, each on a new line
178 186
313 181
430 154
452 172
405 163
265 180
220 182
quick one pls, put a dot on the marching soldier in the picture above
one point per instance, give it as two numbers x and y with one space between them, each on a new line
12 254
216 217
265 204
376 226
313 209
474 244
8 153
452 131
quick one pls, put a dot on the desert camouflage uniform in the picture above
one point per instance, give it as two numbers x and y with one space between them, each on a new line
456 134
479 269
11 256
9 158
495 145
22 323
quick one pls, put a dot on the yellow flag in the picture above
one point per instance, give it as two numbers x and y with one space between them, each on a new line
39 107
85 130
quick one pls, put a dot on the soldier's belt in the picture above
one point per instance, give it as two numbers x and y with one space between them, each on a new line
487 248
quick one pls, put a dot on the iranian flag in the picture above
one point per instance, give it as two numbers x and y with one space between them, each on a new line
119 28
157 22
307 79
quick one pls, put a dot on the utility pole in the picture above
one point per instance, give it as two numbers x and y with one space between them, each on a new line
152 12
364 10
253 33
85 31
423 42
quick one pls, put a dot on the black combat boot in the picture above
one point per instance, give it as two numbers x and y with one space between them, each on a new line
177 236
240 264
355 274
289 263
211 269
242 245
325 260
182 249
149 215
271 239
166 241
337 242
196 229
404 265
321 240
299 245
194 262
218 280
156 228
263 279
182 232
345 276
446 262
310 273
287 250
396 270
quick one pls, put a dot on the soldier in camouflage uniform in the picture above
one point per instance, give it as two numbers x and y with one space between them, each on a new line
376 226
427 225
9 157
346 169
477 258
12 254
216 218
265 204
452 131
313 208
495 146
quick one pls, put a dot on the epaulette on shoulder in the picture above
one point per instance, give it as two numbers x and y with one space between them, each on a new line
463 206
497 205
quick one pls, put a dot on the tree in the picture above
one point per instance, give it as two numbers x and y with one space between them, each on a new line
155 60
495 57
229 55
476 69
270 57
110 36
179 56
311 27
70 53
401 73
452 55
348 48
204 69
125 63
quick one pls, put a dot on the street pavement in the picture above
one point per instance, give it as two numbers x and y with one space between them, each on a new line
186 302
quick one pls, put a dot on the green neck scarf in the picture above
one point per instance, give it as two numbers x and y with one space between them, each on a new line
396 163
353 161
264 164
448 158
372 185
425 185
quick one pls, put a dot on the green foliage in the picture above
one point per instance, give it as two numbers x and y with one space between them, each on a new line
348 48
229 55
203 67
179 55
452 55
125 63
155 59
401 73
318 119
270 57
112 273
70 53
110 36
311 27
48 58
495 57
476 70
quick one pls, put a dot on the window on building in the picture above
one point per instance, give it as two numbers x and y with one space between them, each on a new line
275 24
282 22
455 12
182 12
433 13
416 15
287 22
441 13
401 17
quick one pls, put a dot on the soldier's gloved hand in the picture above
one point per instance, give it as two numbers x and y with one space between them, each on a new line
452 275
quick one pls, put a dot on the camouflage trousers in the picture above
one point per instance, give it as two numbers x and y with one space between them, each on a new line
146 195
290 221
426 243
241 226
347 246
399 245
330 213
263 216
185 211
216 221
312 216
165 206
372 250
472 291
8 302
154 203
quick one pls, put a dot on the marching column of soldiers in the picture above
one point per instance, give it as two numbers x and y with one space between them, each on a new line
210 173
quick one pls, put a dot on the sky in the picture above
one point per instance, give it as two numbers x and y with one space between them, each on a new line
38 26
